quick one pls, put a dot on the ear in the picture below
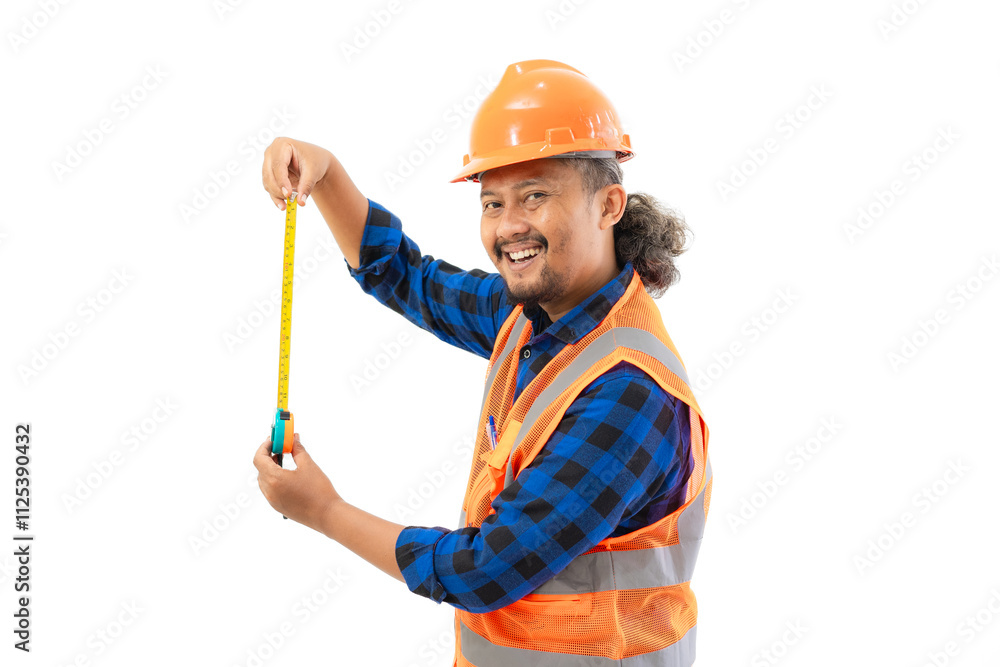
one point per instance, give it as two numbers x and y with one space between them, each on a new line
612 199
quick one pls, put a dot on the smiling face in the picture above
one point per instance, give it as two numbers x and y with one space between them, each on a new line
541 207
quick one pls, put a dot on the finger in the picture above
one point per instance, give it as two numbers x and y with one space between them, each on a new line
262 457
299 453
306 183
276 153
269 185
279 171
259 455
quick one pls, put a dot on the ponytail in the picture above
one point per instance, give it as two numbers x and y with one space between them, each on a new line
648 234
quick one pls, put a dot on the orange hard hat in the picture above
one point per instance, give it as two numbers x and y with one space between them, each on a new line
542 108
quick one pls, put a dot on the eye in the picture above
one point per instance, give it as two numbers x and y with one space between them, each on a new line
487 206
532 194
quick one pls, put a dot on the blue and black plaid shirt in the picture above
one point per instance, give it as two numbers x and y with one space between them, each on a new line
623 426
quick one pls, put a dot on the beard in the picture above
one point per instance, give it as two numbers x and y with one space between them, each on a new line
546 287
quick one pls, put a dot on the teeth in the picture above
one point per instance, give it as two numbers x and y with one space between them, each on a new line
524 253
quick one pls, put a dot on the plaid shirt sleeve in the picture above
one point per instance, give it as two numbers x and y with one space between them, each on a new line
464 308
619 459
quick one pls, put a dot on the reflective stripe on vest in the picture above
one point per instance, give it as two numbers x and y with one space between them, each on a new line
631 337
637 568
639 340
515 334
508 348
484 653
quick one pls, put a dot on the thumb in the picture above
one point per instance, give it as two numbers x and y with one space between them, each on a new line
299 453
306 183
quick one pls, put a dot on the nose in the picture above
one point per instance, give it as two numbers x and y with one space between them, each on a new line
513 223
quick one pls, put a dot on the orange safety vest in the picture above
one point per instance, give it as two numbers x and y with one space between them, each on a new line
628 600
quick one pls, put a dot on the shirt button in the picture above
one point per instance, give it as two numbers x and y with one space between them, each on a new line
526 352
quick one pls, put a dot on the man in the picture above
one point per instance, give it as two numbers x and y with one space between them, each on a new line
590 482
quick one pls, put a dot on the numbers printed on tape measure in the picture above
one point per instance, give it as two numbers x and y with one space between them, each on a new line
287 273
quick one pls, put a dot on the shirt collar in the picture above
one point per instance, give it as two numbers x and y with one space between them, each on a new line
590 312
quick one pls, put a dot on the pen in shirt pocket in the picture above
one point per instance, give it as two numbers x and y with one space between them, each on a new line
492 433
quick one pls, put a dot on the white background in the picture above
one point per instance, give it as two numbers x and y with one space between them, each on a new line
895 76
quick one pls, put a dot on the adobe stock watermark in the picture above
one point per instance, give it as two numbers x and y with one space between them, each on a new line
899 16
224 8
375 365
967 630
122 106
131 439
417 495
925 330
559 13
375 24
219 179
424 146
107 634
32 24
752 330
787 126
40 358
710 31
436 649
795 459
923 501
777 650
301 611
307 263
913 169
229 511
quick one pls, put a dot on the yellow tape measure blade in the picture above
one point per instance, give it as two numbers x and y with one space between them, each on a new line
287 275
